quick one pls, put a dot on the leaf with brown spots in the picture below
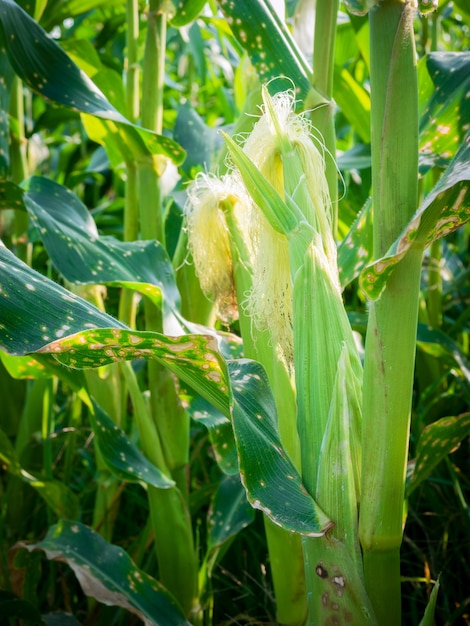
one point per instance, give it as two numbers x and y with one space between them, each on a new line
107 573
437 441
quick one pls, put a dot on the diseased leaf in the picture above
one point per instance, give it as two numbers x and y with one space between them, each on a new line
83 257
27 299
121 456
444 210
47 70
230 512
273 484
220 432
268 43
437 441
446 118
34 310
107 573
186 11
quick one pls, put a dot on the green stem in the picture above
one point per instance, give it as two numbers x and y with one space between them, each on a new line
391 333
19 166
323 69
174 544
132 65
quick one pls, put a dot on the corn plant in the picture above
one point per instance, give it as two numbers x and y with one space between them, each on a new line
225 312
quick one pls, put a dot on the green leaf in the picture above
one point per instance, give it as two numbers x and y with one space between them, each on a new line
186 11
444 210
7 74
46 69
106 572
428 618
269 44
230 512
355 251
360 7
437 441
446 117
220 432
121 456
58 496
273 484
83 257
201 142
34 310
39 316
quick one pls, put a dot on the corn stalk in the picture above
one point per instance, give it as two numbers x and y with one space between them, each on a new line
391 333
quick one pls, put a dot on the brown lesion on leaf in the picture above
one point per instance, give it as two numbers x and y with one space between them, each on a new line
321 571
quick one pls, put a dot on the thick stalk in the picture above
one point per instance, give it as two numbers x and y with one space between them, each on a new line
391 333
174 545
323 69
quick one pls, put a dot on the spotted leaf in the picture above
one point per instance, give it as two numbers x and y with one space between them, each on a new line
107 573
268 43
121 456
272 483
46 69
230 512
446 208
437 441
72 241
446 117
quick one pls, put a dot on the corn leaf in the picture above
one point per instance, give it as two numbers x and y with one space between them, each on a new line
437 441
106 572
56 494
230 512
268 43
46 69
428 617
83 257
186 11
444 210
447 114
121 456
273 484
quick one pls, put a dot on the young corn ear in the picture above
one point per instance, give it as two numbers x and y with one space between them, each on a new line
209 199
282 148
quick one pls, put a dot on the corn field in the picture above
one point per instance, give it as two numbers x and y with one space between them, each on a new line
234 312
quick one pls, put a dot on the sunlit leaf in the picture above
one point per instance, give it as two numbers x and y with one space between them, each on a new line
79 253
355 251
106 572
45 68
121 456
446 118
437 441
268 43
444 210
186 11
